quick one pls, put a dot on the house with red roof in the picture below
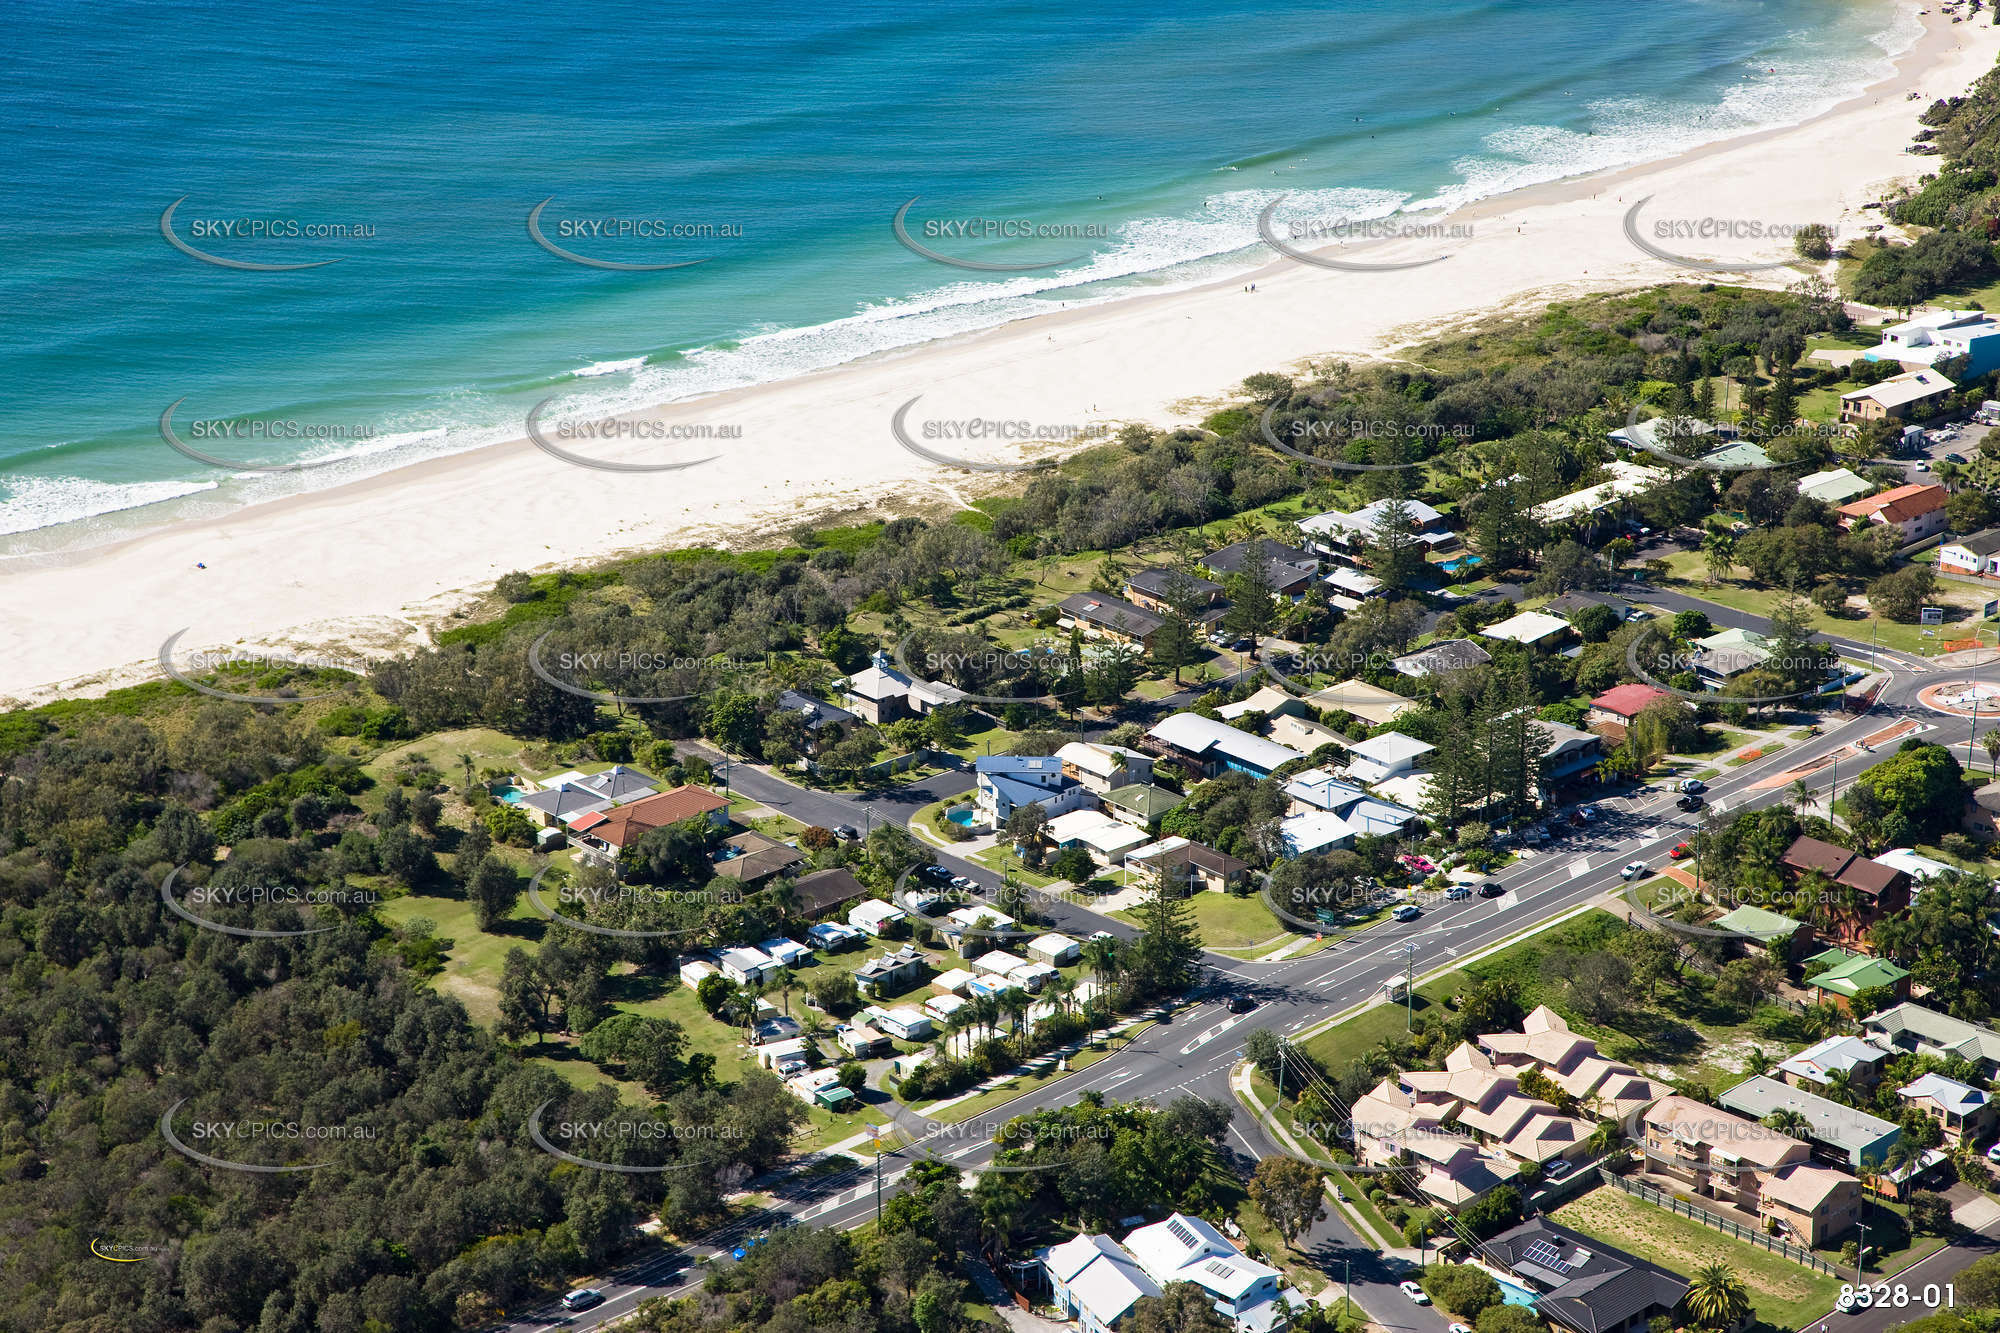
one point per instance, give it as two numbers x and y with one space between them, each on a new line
610 832
1916 510
1620 704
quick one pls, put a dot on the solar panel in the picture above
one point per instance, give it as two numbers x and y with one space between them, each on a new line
1544 1254
1180 1232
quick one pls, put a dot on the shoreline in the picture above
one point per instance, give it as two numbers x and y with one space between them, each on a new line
435 534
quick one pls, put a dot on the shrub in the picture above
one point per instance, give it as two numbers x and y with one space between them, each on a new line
1461 1288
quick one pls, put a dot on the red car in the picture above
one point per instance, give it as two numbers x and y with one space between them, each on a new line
1681 852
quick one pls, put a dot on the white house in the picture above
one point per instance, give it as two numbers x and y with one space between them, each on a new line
1055 948
1093 1280
1315 832
745 966
1106 839
902 1023
1317 791
833 936
1532 628
1251 1296
1209 747
784 952
873 915
997 961
694 973
1007 782
1104 767
1389 755
1030 975
951 982
942 1007
861 1041
1977 556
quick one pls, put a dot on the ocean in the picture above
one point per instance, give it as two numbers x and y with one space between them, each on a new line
1081 153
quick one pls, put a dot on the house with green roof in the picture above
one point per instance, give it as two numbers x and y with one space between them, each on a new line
1140 804
1780 933
1840 976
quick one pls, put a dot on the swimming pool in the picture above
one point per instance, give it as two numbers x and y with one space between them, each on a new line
964 816
1513 1293
1464 562
510 795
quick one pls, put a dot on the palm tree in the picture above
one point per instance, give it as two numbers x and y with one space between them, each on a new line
786 981
1904 1153
1991 740
1604 1138
1716 1297
465 762
1759 1061
1788 1121
1718 549
1101 956
1059 990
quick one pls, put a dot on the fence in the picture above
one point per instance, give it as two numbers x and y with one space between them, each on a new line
1723 1224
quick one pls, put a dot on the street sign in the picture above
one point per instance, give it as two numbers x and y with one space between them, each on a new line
1932 615
1989 608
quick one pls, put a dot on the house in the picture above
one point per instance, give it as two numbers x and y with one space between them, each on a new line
1878 890
1680 435
951 982
1152 590
1209 748
1533 629
1348 535
1913 1028
1388 755
1571 603
1251 1296
620 827
1101 767
1977 556
1106 839
1190 864
1625 480
1840 975
1472 1096
1270 701
1289 570
1941 335
784 952
1749 1166
1315 833
1834 486
1055 949
1855 1139
1727 654
1093 1280
817 713
1610 1088
1911 396
891 973
820 1087
1371 703
773 1028
1582 1284
862 1041
752 858
1102 616
874 916
1351 587
823 890
619 784
1915 511
1444 655
1964 1113
745 966
832 936
1031 975
1571 752
1008 782
902 1023
784 1058
1618 705
694 972
1317 790
1767 928
942 1007
880 693
1856 1060
1298 733
557 806
1739 457
1141 805
1918 868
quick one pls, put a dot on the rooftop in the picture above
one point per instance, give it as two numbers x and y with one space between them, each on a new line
1853 1132
1527 627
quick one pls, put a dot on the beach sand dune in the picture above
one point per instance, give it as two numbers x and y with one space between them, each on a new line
363 565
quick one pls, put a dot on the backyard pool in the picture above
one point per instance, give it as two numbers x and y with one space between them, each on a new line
510 795
963 815
1512 1292
1462 564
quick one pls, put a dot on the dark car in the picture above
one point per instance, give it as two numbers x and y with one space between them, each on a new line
1241 646
1690 802
1240 1003
1492 888
846 832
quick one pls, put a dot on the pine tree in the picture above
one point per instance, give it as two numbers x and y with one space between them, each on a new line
1704 399
1168 950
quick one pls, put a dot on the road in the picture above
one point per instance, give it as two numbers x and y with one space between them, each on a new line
1193 1050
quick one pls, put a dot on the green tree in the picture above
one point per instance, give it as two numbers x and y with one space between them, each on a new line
1167 953
1716 1297
1290 1192
1462 1289
1252 605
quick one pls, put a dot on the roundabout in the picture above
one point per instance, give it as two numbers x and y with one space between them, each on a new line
1961 698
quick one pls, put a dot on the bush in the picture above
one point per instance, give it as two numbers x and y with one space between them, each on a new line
1930 1213
853 1075
1461 1288
508 825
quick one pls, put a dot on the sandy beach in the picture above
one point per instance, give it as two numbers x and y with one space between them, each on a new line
372 565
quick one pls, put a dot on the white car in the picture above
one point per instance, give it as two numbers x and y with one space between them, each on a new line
583 1298
1993 1153
1407 912
1456 1328
1414 1292
1634 869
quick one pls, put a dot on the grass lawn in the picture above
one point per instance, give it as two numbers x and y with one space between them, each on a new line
472 964
1785 1294
1689 571
1229 922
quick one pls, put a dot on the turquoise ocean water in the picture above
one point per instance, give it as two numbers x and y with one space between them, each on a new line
773 143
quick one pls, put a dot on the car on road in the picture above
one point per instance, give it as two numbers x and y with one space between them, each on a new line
583 1298
1681 852
1240 1003
1954 458
1492 888
1102 935
1922 466
1693 785
1634 869
1456 1328
1458 891
1993 1153
1241 646
1690 802
1407 912
964 882
1414 1292
1588 813
942 874
846 832
1846 1304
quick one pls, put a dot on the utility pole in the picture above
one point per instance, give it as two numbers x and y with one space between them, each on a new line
1409 985
1347 1291
1860 1255
1281 1073
878 1176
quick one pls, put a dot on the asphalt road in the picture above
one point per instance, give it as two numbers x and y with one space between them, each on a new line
1193 1050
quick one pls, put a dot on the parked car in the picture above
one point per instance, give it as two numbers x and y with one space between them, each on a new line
1492 888
1993 1153
1407 912
1690 802
1693 785
1681 852
583 1298
1559 1168
1241 646
1414 1292
846 832
1954 458
964 882
1457 1328
1458 891
1633 869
